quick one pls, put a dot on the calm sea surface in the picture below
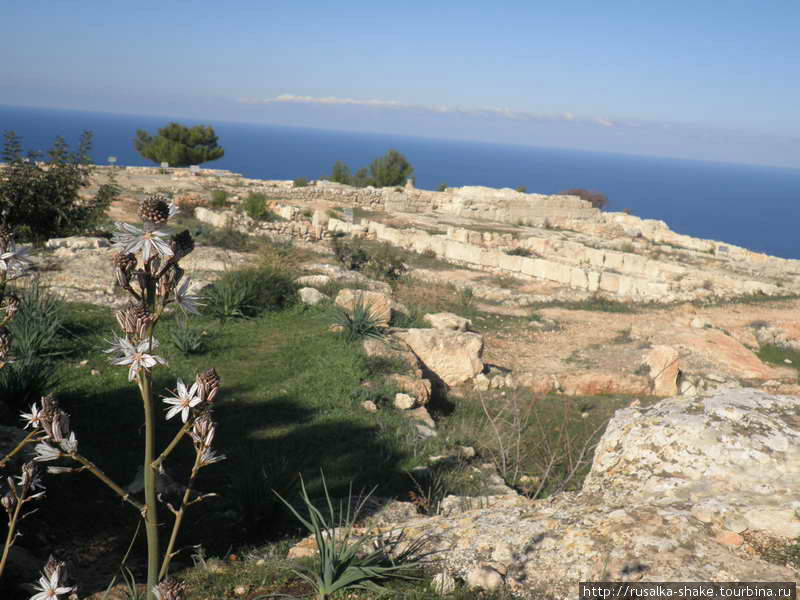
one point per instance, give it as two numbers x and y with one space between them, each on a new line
754 207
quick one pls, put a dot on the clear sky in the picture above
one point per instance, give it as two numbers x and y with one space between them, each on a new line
708 79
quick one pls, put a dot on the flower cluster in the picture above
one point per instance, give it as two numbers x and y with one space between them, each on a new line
169 589
52 583
199 396
14 263
29 481
154 283
59 440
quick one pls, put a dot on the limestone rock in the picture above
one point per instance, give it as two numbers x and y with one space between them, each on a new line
484 578
78 243
311 296
593 383
379 305
481 383
424 431
671 489
454 356
393 351
447 320
422 415
313 280
713 450
403 401
420 389
664 369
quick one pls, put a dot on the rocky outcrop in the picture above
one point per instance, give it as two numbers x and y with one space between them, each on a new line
446 320
662 362
674 492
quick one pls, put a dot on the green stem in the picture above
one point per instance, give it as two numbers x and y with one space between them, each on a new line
168 450
151 508
179 516
28 439
92 468
12 526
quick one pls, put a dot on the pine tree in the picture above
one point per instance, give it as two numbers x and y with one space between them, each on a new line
178 145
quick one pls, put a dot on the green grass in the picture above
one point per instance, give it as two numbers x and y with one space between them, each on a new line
289 405
777 355
532 430
595 303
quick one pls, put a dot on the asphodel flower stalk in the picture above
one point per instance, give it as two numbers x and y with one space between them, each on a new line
146 267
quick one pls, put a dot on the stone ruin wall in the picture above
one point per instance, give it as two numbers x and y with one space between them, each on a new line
568 263
489 204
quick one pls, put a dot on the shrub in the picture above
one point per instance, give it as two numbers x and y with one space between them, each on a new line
255 207
248 293
351 255
40 201
227 238
341 173
300 182
391 169
442 187
35 332
386 262
522 189
219 199
362 179
412 320
229 298
596 199
520 251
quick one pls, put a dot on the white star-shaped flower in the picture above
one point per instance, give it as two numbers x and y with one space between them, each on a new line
32 418
46 452
130 239
138 357
50 588
209 457
186 301
184 399
15 260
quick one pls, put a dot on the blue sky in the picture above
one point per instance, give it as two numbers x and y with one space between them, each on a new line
714 80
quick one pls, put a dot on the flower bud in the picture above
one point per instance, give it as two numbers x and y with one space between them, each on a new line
5 342
6 239
134 320
124 266
53 420
11 305
169 589
9 502
203 431
30 476
207 385
181 245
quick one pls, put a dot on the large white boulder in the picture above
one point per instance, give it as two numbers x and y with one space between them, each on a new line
454 356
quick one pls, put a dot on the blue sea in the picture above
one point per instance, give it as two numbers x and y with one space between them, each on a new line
750 206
